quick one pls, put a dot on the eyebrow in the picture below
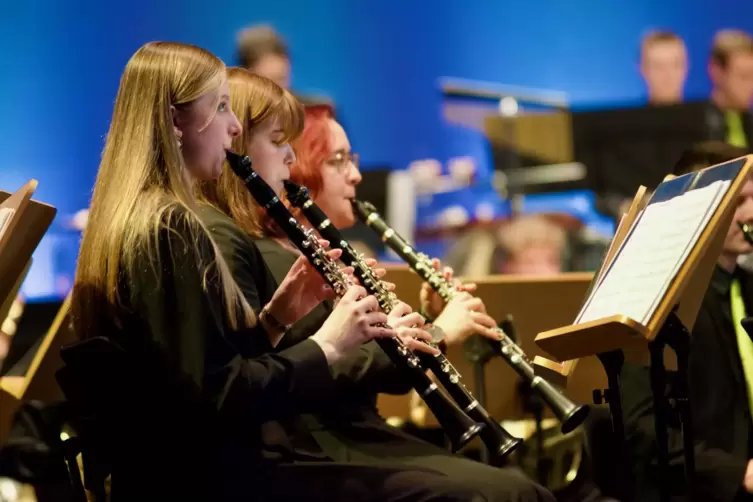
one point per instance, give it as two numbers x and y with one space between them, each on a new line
225 97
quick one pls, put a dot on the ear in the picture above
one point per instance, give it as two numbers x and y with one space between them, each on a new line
178 121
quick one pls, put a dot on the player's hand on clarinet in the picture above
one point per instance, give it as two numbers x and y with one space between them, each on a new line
354 321
464 316
431 303
409 326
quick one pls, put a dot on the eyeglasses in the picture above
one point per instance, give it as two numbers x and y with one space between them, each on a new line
342 160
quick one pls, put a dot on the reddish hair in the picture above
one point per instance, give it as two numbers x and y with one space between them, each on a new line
312 148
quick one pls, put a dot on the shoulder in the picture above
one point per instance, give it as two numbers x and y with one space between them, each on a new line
272 248
226 233
218 223
232 241
278 258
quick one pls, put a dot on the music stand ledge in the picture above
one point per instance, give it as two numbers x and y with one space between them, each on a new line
22 235
673 317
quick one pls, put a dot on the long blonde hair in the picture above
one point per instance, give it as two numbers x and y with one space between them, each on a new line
142 187
254 100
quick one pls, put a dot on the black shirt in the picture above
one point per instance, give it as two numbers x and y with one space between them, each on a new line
176 316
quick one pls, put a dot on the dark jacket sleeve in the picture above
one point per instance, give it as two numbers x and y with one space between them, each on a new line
369 370
183 308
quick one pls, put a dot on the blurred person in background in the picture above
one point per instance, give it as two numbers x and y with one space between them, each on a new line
664 67
532 244
731 71
262 50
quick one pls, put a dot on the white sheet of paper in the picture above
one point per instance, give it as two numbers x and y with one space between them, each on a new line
650 259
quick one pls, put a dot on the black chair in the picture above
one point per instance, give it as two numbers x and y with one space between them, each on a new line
35 453
136 420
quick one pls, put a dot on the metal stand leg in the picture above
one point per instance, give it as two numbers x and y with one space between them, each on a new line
612 362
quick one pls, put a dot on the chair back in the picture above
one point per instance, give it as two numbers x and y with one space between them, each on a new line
135 419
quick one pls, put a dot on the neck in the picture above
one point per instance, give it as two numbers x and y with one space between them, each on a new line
720 99
664 100
728 262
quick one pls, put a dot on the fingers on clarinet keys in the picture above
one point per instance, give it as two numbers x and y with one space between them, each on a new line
399 312
417 339
354 321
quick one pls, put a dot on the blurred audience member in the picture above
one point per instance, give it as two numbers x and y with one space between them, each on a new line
474 253
664 67
263 51
533 244
731 72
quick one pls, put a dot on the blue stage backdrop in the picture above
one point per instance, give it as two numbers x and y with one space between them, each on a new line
378 60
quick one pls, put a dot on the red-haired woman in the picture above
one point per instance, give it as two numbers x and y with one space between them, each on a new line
355 432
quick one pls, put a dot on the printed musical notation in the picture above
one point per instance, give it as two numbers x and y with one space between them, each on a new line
649 260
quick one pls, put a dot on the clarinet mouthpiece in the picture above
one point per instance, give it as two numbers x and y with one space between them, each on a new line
240 164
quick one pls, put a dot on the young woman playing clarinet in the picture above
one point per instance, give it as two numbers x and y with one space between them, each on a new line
352 431
153 277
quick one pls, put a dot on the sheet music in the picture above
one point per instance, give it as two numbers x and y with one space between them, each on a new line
650 259
5 215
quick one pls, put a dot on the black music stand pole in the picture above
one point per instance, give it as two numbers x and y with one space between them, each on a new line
675 335
478 354
612 362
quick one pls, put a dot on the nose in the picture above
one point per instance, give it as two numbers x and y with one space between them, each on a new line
235 127
289 155
354 174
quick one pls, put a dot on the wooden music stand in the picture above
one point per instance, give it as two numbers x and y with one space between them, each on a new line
22 233
670 320
561 373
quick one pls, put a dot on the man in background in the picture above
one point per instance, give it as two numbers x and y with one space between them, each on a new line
720 373
533 245
731 71
664 67
264 52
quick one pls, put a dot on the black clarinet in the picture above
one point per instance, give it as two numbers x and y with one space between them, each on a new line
499 442
570 415
459 427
